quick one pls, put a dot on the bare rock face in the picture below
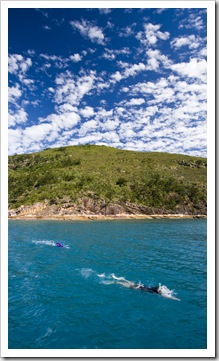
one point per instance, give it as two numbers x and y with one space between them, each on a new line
84 206
88 207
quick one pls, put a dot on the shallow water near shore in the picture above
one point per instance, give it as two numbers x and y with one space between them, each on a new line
67 297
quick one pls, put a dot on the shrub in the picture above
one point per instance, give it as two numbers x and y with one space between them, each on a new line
121 181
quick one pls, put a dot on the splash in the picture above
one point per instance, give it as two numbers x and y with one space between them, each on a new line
165 292
106 279
87 272
49 243
111 278
103 278
118 278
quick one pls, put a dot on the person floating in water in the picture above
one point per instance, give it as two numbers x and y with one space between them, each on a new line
59 244
160 290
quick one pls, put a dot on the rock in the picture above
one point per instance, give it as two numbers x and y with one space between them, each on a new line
91 207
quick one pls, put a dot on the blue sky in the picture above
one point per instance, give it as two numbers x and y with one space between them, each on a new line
128 78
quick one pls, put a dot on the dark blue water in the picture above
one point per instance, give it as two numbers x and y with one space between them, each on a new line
57 300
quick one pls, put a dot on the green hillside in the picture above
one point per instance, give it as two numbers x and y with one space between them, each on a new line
156 181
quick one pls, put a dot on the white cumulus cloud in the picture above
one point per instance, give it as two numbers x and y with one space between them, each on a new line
90 31
87 112
71 89
135 101
195 68
192 41
17 117
17 64
75 58
151 34
14 93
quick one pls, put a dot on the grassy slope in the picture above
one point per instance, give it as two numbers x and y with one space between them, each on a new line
157 180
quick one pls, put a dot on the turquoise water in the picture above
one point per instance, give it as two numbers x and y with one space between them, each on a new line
66 298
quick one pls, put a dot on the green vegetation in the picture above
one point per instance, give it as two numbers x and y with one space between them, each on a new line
159 181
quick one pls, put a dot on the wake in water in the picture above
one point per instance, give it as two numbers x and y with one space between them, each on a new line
161 290
105 279
50 243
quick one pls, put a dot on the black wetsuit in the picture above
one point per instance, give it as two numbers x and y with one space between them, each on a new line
148 289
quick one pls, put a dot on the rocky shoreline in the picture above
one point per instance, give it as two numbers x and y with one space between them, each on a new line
46 211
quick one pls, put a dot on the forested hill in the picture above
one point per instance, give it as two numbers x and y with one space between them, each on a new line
100 179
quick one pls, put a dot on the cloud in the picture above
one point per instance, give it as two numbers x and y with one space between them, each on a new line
129 133
194 68
61 121
105 11
46 27
194 21
163 124
160 10
14 93
151 34
18 65
129 70
71 88
87 127
110 124
147 94
155 59
15 141
88 139
135 101
111 54
87 30
127 31
54 60
66 107
103 113
192 41
17 117
51 57
43 12
87 112
120 111
117 76
134 69
29 83
37 133
75 58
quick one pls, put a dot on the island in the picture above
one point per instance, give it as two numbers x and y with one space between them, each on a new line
90 182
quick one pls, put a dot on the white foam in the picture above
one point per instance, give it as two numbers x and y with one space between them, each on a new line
47 243
107 282
87 272
102 275
111 278
165 292
118 278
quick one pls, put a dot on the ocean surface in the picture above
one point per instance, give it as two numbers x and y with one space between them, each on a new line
69 297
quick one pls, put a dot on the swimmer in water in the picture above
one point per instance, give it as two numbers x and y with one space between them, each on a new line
141 287
159 290
59 244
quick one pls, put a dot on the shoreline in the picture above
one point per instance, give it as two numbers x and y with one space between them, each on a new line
97 217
